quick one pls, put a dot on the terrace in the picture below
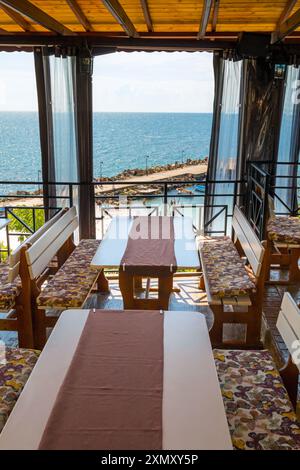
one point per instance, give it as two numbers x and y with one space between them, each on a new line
167 201
251 178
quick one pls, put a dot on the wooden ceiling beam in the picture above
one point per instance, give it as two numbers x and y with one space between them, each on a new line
47 38
118 12
28 9
286 12
17 18
287 27
73 4
8 38
147 16
215 15
25 40
207 5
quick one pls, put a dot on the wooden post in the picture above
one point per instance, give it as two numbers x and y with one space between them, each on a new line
42 74
84 121
24 310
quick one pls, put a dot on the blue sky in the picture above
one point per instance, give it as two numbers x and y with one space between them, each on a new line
123 82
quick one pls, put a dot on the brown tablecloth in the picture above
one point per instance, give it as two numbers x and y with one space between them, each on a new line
111 397
150 247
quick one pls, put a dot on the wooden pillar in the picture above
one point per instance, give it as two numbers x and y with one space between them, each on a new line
42 73
84 122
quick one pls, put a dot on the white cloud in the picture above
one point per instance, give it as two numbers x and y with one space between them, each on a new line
153 82
17 82
128 82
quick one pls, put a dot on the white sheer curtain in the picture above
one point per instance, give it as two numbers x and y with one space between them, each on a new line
230 108
288 151
62 76
228 141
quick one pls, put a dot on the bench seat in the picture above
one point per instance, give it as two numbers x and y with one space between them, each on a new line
259 412
8 291
224 270
15 367
70 286
284 230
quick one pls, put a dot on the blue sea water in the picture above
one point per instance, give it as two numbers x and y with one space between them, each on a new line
121 141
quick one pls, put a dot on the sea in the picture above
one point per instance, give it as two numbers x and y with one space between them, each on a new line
121 141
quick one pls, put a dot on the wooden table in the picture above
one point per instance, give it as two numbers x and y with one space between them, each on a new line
193 411
113 246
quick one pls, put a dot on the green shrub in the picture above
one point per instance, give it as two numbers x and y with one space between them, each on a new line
26 215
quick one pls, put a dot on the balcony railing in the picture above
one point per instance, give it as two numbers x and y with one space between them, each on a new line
261 183
181 197
168 199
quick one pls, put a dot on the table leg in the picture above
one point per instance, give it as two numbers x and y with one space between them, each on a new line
102 283
165 287
126 283
216 332
201 282
138 282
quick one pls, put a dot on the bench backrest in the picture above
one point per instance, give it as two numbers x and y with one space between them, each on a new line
288 324
14 259
40 254
250 243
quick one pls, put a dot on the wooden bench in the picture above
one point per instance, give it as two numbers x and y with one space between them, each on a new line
234 286
71 285
259 399
15 300
283 244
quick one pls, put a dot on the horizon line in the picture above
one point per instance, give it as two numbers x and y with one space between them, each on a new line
114 112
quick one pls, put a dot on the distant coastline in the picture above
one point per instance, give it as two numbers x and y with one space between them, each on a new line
131 173
191 171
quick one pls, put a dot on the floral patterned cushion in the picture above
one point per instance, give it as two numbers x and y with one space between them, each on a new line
8 291
225 271
70 286
284 230
258 409
15 367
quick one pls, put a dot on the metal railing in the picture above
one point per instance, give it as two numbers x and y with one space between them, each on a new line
290 207
169 197
25 228
180 197
258 182
261 183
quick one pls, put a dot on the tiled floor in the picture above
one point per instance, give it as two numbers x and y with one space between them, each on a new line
191 298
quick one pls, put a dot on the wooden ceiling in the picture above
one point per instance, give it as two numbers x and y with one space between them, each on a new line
193 19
